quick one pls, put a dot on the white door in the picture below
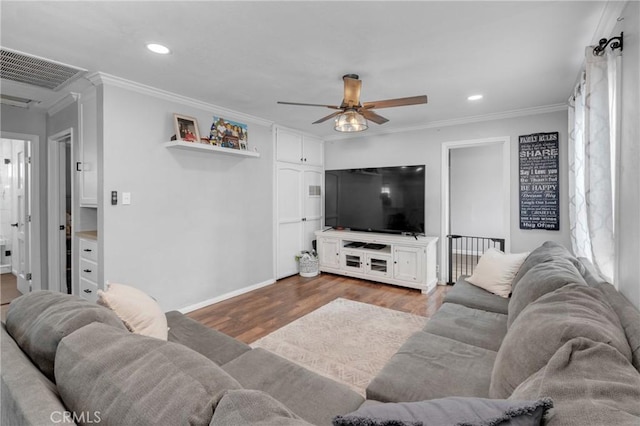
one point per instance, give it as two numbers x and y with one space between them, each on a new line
23 219
312 214
289 219
408 264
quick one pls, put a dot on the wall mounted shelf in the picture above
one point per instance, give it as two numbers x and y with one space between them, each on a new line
193 146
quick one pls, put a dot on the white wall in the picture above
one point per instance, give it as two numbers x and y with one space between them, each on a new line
425 146
475 191
628 229
199 224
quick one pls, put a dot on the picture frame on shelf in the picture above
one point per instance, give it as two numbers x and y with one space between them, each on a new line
229 134
186 128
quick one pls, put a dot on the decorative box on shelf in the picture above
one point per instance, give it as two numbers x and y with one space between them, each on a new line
210 148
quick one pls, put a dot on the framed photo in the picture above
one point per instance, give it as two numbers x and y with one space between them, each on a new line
229 134
186 128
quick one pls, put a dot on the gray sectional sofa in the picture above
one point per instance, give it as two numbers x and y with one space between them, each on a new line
563 334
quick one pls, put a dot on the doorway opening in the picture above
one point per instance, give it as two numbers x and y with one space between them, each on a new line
15 217
61 212
475 194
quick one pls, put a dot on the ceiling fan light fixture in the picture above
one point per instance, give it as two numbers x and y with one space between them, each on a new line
351 121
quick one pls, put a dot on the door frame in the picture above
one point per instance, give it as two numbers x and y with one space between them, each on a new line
505 142
35 246
54 206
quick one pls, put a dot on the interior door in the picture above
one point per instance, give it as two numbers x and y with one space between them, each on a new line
23 206
312 215
289 216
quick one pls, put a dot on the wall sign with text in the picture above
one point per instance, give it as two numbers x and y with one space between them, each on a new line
539 186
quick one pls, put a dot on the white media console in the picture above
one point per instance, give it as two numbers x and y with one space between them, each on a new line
388 258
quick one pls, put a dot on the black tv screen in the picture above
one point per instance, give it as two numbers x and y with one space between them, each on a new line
381 199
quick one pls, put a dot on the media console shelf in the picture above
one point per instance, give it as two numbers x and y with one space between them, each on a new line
388 258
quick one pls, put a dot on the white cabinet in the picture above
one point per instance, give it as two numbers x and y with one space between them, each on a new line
87 164
394 259
408 264
299 192
88 269
293 147
329 252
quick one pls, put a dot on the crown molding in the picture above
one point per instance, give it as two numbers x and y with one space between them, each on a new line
62 103
99 78
459 121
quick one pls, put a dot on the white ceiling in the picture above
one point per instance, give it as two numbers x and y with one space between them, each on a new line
245 56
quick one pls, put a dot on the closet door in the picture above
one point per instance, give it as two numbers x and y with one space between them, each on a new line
312 193
289 218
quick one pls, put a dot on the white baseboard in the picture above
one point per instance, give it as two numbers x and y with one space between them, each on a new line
225 296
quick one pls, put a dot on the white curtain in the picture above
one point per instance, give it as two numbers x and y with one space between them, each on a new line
593 135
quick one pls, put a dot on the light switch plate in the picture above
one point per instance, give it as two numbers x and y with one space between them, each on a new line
126 198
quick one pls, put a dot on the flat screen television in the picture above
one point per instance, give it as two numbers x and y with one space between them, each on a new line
379 199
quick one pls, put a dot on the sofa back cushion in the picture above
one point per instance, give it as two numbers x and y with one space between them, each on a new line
591 383
38 321
547 252
137 380
545 325
539 280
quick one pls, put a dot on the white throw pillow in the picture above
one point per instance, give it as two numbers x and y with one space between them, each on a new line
495 271
137 310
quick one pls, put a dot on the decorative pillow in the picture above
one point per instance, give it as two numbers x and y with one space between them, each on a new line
137 380
139 312
253 407
574 310
541 279
449 411
38 321
591 383
495 271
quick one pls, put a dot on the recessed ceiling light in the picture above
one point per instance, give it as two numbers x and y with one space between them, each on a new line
158 48
474 97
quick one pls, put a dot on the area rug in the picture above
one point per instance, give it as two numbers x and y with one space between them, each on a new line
344 340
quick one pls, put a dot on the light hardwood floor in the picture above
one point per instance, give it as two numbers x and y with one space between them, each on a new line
253 315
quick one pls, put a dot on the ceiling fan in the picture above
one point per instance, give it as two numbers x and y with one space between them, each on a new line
351 115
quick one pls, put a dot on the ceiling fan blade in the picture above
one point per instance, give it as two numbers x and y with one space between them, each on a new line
372 116
314 105
388 103
323 119
352 88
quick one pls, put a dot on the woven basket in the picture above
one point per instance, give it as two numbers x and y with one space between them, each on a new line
308 267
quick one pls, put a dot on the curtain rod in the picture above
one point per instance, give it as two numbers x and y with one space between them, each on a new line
615 43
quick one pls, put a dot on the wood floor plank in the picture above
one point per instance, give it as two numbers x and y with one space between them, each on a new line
253 315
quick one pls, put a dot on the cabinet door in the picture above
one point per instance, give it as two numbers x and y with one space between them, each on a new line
88 149
408 264
352 260
329 252
288 146
312 151
289 219
378 265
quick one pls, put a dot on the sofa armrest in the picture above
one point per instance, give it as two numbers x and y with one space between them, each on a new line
216 346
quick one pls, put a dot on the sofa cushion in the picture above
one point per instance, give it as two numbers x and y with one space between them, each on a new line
137 380
216 346
451 411
428 366
472 326
590 274
255 408
137 310
545 325
629 317
591 383
541 279
495 271
28 396
474 297
548 251
313 397
39 320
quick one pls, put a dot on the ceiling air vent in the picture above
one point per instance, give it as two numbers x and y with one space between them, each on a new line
36 71
17 101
